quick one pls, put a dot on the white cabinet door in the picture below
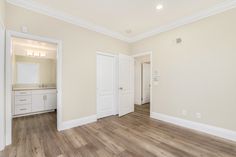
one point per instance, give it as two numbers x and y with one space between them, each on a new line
105 85
50 101
126 84
146 84
37 102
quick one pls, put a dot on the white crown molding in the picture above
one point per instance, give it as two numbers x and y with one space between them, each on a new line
78 122
212 130
222 7
36 7
42 9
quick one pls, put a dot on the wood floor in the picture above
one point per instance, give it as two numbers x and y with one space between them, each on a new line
134 135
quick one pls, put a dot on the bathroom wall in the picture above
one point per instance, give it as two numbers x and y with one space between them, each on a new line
47 70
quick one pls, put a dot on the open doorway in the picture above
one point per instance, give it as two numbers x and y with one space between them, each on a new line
33 82
142 83
33 77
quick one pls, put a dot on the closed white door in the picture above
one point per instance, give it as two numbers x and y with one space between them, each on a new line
126 84
105 85
146 83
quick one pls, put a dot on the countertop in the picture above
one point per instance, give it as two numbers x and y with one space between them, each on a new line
33 88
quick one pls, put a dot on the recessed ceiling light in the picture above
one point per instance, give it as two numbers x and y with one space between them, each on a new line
159 7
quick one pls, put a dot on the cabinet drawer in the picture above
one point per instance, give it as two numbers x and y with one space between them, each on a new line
21 100
22 109
23 92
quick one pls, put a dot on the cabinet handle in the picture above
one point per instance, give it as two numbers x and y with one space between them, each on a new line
23 109
23 100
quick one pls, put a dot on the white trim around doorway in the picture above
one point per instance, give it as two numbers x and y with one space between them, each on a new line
2 86
8 79
151 73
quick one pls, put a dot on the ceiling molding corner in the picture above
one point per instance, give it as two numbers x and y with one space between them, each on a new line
36 7
222 7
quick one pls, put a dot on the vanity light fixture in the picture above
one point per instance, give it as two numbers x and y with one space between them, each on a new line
36 53
29 53
42 54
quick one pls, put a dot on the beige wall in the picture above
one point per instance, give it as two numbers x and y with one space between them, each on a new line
79 57
198 75
2 12
47 69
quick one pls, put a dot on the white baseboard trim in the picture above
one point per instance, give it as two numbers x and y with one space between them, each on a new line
2 148
212 130
34 113
78 122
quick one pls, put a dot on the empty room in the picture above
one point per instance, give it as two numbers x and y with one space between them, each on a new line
117 78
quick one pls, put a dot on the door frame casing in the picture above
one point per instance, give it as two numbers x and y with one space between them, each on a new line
115 111
151 73
8 79
2 87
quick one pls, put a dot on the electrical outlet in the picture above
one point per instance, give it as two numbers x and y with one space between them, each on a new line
198 115
184 112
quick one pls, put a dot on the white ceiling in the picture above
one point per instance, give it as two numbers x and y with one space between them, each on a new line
139 17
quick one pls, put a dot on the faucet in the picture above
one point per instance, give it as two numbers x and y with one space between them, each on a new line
42 85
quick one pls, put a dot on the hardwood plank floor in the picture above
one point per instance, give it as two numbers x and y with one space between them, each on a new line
134 135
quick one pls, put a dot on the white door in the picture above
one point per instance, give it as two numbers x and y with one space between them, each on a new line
126 84
106 85
146 83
